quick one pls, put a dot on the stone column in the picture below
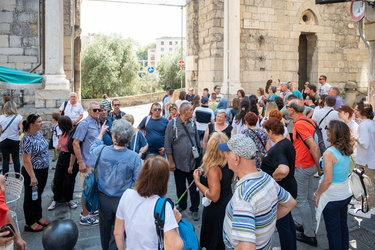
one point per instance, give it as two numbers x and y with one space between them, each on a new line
56 85
370 37
232 53
54 71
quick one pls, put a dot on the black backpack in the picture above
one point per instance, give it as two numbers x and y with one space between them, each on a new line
318 137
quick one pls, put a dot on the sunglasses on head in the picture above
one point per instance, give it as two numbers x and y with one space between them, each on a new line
33 118
157 109
96 110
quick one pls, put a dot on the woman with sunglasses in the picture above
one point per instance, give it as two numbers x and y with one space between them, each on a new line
333 194
35 157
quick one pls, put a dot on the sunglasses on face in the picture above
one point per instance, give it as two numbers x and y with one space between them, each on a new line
157 109
320 78
96 110
116 105
326 128
218 88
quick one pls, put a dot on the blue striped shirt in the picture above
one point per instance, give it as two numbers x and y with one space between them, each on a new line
251 213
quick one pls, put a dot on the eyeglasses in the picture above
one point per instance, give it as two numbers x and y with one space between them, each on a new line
157 109
116 105
96 110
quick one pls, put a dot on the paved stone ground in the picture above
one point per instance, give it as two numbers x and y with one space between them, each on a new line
89 238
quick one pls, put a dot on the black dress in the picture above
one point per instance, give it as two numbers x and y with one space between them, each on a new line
213 216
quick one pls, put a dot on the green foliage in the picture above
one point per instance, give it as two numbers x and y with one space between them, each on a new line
148 83
169 72
142 53
110 66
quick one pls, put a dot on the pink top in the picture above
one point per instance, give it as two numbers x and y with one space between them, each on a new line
63 142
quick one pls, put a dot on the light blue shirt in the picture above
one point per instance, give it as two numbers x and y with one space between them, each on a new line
341 168
117 168
88 129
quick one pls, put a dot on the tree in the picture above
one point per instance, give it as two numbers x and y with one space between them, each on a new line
109 65
169 72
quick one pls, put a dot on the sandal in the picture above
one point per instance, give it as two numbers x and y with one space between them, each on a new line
44 224
30 229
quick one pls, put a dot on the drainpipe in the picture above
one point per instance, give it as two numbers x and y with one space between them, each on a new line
41 38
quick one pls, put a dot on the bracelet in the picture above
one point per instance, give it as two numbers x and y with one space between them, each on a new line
206 192
315 195
79 161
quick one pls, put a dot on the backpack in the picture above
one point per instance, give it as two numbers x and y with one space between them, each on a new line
359 184
144 129
63 111
90 188
185 228
318 136
71 139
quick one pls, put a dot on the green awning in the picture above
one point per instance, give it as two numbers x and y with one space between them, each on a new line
18 79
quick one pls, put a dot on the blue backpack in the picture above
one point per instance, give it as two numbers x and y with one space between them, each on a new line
185 228
90 188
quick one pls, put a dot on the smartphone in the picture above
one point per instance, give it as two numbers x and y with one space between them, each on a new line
7 227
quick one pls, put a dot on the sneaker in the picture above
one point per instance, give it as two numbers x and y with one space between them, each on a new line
359 213
94 213
355 202
88 221
71 204
53 205
196 216
316 175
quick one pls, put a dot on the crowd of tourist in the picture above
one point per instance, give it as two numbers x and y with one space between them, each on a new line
264 143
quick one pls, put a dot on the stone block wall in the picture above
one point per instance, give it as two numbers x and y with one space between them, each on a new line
205 44
21 40
270 46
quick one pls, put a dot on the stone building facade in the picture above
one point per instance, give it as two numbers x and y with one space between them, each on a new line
23 43
243 43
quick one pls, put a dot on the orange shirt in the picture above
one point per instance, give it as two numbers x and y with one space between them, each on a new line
3 209
303 156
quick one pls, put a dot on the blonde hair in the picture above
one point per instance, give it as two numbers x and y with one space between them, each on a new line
213 156
129 118
175 96
10 108
270 106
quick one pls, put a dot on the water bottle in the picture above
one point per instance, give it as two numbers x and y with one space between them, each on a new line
34 194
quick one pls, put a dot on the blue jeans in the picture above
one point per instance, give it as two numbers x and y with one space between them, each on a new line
335 217
287 232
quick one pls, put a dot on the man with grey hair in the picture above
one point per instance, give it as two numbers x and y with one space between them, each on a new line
182 148
307 163
285 91
86 132
72 108
335 92
250 218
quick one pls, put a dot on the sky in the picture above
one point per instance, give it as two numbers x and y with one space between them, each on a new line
144 23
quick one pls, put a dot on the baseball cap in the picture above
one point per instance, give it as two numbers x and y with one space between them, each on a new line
345 108
240 145
204 100
191 88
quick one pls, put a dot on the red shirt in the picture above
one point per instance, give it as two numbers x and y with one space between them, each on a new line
305 130
3 209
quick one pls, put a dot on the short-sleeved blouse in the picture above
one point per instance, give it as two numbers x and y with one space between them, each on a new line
37 146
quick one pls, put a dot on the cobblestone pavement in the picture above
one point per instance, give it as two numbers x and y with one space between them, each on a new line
89 236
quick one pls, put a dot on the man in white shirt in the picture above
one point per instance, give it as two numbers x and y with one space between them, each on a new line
323 116
203 116
285 92
219 95
324 88
72 108
365 153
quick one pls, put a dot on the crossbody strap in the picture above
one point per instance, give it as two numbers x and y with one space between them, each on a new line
14 117
260 139
135 141
188 135
97 160
325 117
